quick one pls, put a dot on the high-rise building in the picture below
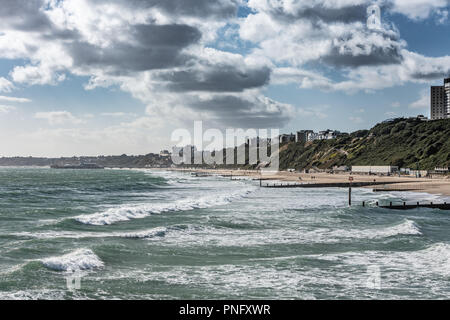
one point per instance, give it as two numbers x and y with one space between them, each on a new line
440 101
447 95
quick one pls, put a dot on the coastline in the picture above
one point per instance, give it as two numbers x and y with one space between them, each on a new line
436 186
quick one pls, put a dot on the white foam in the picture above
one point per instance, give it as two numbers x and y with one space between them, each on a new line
37 294
80 259
407 227
128 212
433 259
150 233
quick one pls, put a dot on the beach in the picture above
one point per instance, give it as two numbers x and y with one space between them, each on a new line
438 186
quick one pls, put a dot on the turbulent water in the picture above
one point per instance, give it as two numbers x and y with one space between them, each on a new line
124 234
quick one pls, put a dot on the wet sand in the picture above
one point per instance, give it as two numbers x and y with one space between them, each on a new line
404 183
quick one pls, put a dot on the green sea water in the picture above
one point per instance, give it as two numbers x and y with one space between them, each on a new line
142 234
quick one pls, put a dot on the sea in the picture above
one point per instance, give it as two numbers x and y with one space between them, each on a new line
154 234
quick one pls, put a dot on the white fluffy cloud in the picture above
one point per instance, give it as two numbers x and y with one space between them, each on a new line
156 50
14 99
58 117
5 85
334 34
420 9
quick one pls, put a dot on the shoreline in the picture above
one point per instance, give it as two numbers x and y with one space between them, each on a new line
436 186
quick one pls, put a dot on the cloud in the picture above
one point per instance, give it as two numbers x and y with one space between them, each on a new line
216 71
357 120
225 78
58 117
6 109
333 33
365 48
334 36
319 112
117 114
217 9
305 78
14 99
5 85
161 52
24 15
247 112
391 114
148 47
325 11
423 102
419 9
155 50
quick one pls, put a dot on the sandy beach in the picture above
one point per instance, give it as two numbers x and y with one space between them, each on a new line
439 186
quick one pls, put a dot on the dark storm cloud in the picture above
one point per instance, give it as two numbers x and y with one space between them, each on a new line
432 75
28 16
196 8
151 47
239 112
385 51
217 78
319 12
24 15
377 57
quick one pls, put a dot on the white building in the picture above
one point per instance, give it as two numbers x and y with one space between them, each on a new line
374 169
323 135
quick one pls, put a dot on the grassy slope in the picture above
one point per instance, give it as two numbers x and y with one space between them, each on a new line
403 142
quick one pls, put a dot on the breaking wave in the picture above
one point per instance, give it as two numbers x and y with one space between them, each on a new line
407 227
127 212
80 259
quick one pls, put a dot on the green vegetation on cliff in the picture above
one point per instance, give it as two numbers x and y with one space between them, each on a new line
401 142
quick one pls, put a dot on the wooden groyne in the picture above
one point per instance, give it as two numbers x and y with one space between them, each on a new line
330 184
405 206
396 190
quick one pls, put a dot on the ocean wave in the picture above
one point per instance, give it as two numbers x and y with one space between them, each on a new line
129 212
80 259
150 233
434 259
407 227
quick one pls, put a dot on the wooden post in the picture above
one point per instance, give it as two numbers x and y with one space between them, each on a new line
260 182
350 180
364 203
350 194
377 203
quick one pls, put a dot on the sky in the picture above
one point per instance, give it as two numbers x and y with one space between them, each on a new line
107 77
